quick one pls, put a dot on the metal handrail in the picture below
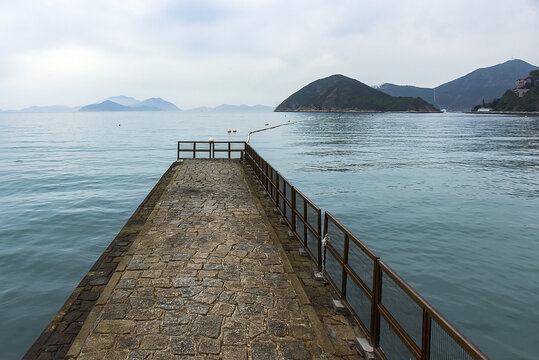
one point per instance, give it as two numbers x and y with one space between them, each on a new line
265 173
211 149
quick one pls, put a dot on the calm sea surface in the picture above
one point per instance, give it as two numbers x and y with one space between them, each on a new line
449 201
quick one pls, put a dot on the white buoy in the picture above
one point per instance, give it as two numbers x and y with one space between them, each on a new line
288 120
228 131
266 124
210 139
234 130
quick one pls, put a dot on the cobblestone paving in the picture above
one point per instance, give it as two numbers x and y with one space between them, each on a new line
204 279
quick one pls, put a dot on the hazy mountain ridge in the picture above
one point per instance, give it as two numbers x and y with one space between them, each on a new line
151 104
124 100
466 91
114 103
338 93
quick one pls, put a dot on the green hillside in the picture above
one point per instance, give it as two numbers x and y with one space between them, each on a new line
511 102
338 93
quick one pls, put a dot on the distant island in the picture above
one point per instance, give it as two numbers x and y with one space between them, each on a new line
463 93
338 93
524 98
124 103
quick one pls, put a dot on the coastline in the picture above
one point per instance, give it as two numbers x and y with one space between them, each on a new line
526 113
360 111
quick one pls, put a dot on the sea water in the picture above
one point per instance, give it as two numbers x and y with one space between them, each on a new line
449 201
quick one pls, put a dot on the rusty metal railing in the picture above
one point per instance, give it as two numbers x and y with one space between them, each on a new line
211 148
399 323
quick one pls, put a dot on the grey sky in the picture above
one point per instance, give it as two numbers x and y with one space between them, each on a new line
202 52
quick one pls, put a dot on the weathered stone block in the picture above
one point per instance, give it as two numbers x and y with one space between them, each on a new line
185 281
140 303
148 327
154 342
234 353
183 346
234 337
209 326
175 318
196 308
127 342
115 326
170 303
98 342
277 328
292 349
264 351
209 346
223 309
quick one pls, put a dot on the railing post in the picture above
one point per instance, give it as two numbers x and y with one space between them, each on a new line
273 189
345 262
293 209
178 158
277 187
271 184
194 149
266 175
319 240
257 163
284 199
376 299
229 149
304 224
425 338
212 148
259 167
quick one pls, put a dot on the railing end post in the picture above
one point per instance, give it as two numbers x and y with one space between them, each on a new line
376 299
425 336
320 237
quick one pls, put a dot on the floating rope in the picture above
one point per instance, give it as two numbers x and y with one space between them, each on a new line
268 128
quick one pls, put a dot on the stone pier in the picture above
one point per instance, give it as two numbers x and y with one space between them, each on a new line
205 271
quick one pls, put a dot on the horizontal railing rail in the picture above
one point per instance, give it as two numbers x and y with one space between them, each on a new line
231 148
399 323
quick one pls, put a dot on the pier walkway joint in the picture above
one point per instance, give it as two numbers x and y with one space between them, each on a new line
208 278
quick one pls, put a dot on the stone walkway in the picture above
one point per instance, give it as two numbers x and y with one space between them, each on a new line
204 279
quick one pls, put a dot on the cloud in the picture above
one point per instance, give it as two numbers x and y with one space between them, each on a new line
195 13
210 51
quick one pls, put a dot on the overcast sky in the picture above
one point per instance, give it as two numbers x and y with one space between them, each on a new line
201 52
